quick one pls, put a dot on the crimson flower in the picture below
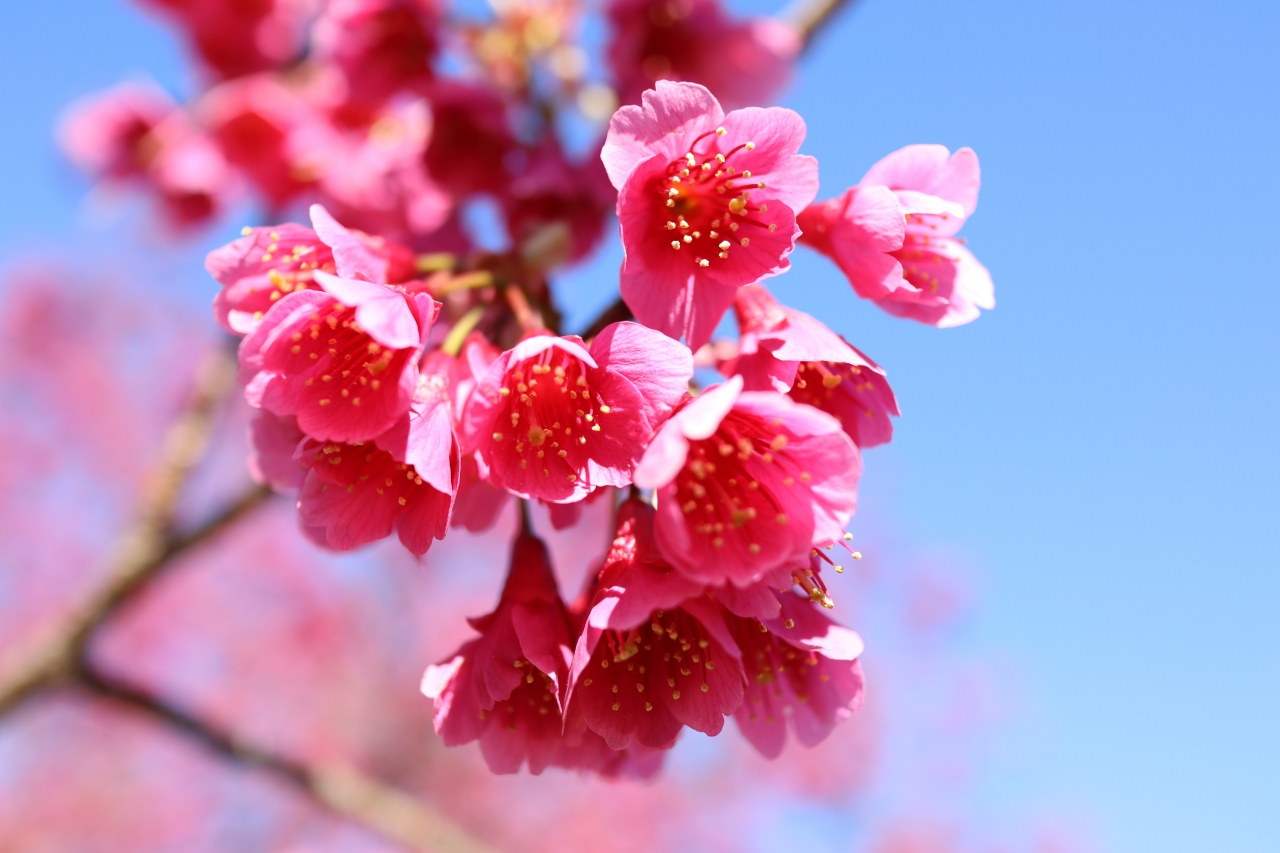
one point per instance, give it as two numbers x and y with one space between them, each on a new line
655 654
748 482
800 666
554 419
707 202
785 350
505 688
893 236
266 264
343 359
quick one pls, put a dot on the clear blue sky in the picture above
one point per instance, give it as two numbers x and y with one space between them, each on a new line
1103 445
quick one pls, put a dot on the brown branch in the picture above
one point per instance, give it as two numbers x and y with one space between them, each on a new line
338 788
146 548
810 17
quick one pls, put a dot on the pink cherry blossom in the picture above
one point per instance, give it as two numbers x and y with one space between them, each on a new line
266 264
554 419
785 350
107 135
505 688
893 235
406 479
342 359
358 493
803 668
706 203
748 482
382 46
742 62
655 655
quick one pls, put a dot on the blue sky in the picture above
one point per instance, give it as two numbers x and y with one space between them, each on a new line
1102 447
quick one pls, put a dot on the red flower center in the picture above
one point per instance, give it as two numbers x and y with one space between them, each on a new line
707 209
552 411
718 490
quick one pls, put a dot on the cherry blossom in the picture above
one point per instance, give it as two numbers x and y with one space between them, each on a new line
706 203
893 235
788 351
554 419
748 482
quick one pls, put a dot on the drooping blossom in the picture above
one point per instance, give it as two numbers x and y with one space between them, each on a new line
505 688
748 482
551 192
802 668
343 359
785 350
470 139
706 203
381 46
554 419
266 264
742 62
655 654
893 236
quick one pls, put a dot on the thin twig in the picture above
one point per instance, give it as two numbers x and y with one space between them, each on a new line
810 17
339 788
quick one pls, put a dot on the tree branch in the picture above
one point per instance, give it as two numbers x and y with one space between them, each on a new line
810 17
338 788
147 547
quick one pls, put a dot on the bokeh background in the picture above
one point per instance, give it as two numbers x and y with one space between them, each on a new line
1088 472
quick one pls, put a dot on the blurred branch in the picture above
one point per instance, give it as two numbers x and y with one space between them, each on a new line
148 546
341 789
809 17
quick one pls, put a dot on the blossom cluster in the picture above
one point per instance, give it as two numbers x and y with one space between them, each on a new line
406 382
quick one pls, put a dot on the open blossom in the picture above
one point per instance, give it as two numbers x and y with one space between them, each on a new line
359 492
741 62
785 350
266 264
748 482
554 419
382 46
342 359
505 688
655 654
803 668
707 202
893 236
